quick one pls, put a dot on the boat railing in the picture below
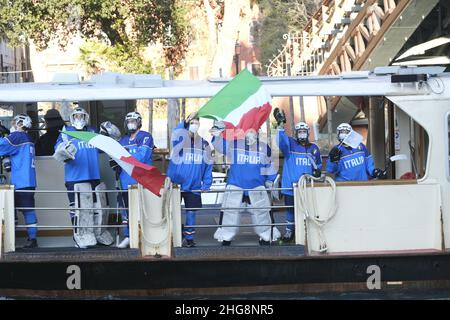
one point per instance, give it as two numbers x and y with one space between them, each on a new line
8 219
273 209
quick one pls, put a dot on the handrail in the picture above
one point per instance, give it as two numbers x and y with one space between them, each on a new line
280 224
237 208
68 191
73 227
68 208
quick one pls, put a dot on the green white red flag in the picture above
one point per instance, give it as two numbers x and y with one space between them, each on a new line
242 104
148 176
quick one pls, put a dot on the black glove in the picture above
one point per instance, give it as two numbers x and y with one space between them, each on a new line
335 154
113 164
378 173
279 116
316 173
4 131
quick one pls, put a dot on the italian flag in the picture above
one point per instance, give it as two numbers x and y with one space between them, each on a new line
242 104
148 176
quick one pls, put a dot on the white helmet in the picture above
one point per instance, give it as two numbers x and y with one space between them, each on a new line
301 132
22 121
343 130
132 127
79 118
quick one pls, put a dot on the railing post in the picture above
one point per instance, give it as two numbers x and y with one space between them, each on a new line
133 216
300 227
7 204
176 216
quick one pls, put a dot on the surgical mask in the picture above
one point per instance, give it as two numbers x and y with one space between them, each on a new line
250 138
302 135
342 136
79 124
193 128
132 127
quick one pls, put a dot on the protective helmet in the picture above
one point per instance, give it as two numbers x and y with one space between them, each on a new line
343 130
22 121
109 129
134 126
79 118
301 130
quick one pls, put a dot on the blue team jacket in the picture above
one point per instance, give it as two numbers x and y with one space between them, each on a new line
20 148
251 166
85 165
141 148
190 162
355 164
297 160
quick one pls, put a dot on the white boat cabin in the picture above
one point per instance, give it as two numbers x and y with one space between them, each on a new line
408 211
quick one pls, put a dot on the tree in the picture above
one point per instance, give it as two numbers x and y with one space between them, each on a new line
280 17
118 30
222 20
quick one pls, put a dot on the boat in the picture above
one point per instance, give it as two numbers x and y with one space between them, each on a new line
369 236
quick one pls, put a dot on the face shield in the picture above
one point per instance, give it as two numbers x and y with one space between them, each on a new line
343 134
79 121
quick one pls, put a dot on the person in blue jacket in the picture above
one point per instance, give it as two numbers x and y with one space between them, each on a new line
191 167
251 168
351 164
300 157
80 166
140 145
20 149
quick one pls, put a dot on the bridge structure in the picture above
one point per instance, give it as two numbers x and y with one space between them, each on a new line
354 35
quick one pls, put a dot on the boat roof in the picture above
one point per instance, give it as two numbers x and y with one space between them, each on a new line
115 86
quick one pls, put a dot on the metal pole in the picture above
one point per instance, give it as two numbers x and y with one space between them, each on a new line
173 114
150 116
69 191
240 225
329 122
291 101
44 208
73 227
238 208
302 110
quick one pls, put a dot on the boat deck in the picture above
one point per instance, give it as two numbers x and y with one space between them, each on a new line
245 245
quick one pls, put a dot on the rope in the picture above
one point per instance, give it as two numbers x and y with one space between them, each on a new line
165 214
311 214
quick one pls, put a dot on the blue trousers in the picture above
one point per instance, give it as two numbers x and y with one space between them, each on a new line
123 203
290 217
26 199
191 200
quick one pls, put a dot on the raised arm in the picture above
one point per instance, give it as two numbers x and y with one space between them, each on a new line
283 142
